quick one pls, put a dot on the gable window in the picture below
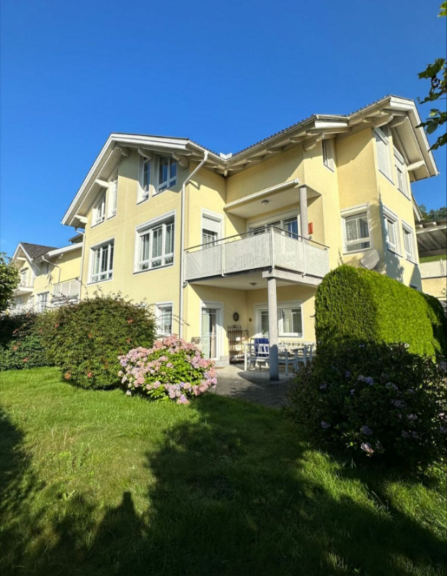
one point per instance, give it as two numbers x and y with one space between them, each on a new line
156 245
167 173
113 198
102 262
356 232
390 223
42 301
45 268
328 154
408 237
23 277
401 172
290 322
164 319
99 209
145 179
383 151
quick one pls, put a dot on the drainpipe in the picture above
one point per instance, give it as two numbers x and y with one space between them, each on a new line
182 238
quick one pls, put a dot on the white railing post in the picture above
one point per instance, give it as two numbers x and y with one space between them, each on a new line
222 256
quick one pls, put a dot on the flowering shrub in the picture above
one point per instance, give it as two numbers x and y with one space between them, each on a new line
85 339
375 400
171 369
20 342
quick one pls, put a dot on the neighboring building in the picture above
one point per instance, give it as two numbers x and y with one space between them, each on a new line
48 276
432 246
223 239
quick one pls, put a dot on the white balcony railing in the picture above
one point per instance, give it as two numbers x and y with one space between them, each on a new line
247 252
66 291
435 269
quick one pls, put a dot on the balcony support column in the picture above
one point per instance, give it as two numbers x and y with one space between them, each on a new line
304 222
273 329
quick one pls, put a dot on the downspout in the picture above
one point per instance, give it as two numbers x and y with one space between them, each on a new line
182 239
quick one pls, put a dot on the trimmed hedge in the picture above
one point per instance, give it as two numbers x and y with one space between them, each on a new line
355 304
20 342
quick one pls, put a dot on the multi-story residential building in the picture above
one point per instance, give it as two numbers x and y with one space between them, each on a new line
432 246
214 240
48 276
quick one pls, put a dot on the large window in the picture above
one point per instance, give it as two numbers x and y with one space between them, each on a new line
113 198
99 210
328 154
356 231
401 172
164 319
42 301
408 237
290 322
390 223
290 225
383 151
156 245
167 173
102 262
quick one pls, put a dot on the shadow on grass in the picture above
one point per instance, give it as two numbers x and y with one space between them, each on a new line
236 492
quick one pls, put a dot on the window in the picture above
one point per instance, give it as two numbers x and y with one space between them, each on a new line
164 319
211 229
290 225
146 180
290 323
401 172
383 151
328 154
102 262
167 173
42 301
408 237
390 222
113 198
44 268
100 209
23 277
356 232
156 246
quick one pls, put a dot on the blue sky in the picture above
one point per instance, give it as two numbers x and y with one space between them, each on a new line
223 74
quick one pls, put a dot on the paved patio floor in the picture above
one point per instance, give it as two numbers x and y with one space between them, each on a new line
252 385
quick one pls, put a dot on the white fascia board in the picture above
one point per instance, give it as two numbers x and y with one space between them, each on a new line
322 125
20 247
63 250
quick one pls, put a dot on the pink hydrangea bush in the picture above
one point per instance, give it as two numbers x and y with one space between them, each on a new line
172 369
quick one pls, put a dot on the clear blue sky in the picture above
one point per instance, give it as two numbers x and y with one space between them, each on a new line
223 74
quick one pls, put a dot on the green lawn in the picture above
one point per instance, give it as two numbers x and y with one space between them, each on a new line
96 483
433 258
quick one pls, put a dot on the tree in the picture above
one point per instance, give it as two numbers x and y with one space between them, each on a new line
9 280
437 74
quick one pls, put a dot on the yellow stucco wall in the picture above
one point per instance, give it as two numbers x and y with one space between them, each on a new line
436 287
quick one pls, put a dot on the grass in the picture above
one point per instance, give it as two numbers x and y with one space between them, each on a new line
96 483
433 258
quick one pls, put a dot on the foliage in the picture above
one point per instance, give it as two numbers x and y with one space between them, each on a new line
9 280
377 400
85 339
172 369
433 214
20 342
438 90
363 305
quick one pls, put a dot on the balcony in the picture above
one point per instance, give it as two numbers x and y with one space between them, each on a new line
24 287
65 292
249 252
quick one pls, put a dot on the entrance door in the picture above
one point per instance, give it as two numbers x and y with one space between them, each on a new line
209 332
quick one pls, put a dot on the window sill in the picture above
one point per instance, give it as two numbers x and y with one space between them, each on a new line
387 177
357 251
394 252
142 200
97 224
91 283
329 168
153 269
110 217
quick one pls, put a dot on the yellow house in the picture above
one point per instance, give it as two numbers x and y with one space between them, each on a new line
226 242
48 276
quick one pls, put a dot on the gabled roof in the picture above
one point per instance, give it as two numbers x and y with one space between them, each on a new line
33 251
399 113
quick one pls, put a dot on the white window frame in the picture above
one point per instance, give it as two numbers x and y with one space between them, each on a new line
217 224
160 307
287 305
99 210
112 199
144 194
42 303
109 272
327 148
220 334
171 180
401 168
407 229
355 211
390 216
281 218
148 228
382 136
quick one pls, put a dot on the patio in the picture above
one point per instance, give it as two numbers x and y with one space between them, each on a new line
252 385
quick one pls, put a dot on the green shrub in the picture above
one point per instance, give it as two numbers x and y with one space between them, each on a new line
85 339
21 344
374 400
172 369
362 305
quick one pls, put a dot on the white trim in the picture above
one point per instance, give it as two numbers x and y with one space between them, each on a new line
219 306
170 182
328 153
210 215
145 228
286 304
63 250
346 213
155 221
90 262
158 307
408 228
388 214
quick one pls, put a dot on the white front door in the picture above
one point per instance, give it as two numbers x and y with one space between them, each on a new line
211 331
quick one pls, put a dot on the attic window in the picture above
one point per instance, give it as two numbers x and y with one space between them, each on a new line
99 211
328 154
167 173
383 151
